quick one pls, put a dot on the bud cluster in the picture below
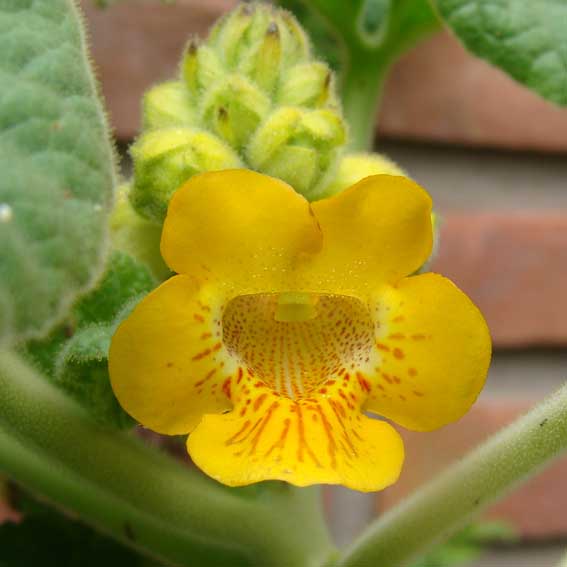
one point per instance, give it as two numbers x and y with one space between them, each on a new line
252 96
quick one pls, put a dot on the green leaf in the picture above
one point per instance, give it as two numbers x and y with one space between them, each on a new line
525 38
124 279
57 167
74 355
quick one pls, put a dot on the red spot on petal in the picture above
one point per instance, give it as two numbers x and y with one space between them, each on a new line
398 353
259 401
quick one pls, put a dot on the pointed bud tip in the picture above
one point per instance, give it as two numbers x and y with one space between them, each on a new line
192 46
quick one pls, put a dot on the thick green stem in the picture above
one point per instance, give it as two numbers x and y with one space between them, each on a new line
141 496
517 452
361 91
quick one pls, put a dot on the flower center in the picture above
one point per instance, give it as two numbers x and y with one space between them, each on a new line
295 342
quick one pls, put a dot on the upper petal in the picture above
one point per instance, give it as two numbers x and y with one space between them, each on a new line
432 353
379 230
245 230
167 363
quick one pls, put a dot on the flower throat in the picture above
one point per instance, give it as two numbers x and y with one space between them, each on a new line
295 342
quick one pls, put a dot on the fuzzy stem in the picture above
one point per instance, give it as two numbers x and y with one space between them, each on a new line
361 90
140 496
445 504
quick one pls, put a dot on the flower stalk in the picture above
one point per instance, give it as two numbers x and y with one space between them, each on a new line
361 90
445 504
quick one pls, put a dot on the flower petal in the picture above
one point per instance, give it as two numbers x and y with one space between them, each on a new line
301 442
434 351
243 229
377 231
167 363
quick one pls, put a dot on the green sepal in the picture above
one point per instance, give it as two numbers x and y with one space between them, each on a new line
168 104
234 108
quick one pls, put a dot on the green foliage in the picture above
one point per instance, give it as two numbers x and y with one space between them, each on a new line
82 371
56 163
74 355
124 279
49 539
525 38
467 545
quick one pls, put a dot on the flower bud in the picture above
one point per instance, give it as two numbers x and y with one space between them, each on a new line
308 84
164 159
264 60
234 109
200 67
251 95
167 104
354 167
257 30
299 146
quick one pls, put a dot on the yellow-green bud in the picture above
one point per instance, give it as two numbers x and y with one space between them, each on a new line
253 27
234 109
264 61
308 84
167 104
164 159
354 167
299 146
201 67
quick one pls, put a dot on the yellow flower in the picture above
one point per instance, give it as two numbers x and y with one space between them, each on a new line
289 320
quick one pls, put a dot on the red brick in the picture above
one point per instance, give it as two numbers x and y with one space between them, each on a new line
514 266
440 92
536 509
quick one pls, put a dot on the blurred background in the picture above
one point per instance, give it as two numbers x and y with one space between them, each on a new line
494 157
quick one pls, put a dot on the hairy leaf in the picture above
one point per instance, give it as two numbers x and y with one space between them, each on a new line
57 167
525 38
